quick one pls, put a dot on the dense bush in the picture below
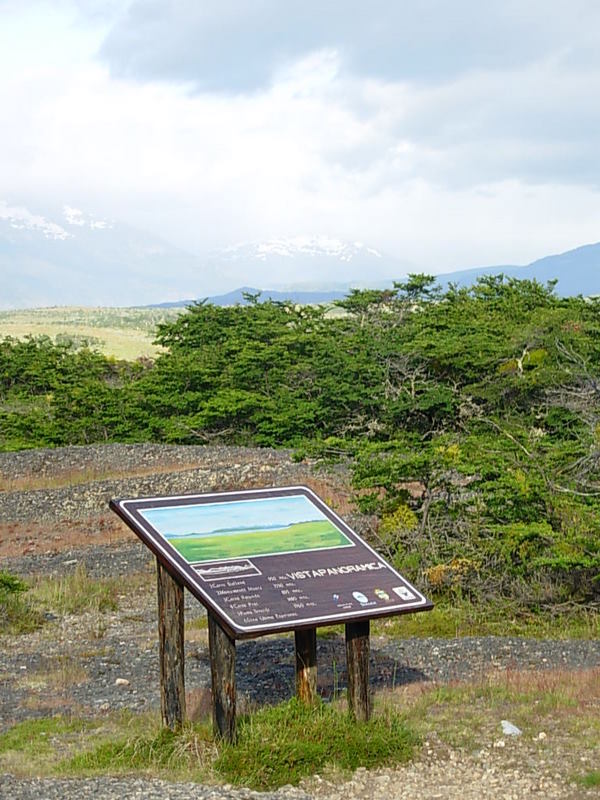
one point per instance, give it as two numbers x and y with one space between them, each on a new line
472 417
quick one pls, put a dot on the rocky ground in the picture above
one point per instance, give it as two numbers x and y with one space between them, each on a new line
53 520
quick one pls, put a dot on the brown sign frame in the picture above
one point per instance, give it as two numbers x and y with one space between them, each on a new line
130 511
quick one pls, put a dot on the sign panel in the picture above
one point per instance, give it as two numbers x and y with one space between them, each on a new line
269 560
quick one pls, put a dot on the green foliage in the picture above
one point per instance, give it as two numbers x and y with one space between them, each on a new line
477 410
283 744
418 287
10 584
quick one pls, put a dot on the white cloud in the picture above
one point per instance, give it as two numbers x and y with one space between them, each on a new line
485 166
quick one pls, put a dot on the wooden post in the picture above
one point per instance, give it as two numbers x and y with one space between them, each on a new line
306 665
357 660
222 669
171 648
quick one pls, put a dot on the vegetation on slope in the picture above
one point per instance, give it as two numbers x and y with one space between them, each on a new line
472 418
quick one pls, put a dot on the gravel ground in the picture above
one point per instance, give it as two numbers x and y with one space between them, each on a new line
489 775
72 665
102 648
100 561
111 788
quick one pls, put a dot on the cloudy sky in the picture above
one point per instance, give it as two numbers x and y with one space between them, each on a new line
447 134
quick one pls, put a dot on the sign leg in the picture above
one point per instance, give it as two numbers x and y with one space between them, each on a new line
306 665
357 659
171 649
222 670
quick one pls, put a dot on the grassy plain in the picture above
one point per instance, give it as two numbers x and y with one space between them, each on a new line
124 333
297 537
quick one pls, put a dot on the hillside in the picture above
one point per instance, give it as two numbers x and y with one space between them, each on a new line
67 257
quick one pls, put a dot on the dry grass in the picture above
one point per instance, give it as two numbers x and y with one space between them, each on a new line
561 704
30 537
196 629
76 593
122 344
59 673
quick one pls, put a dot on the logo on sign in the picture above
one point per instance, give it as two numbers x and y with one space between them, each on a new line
404 593
362 599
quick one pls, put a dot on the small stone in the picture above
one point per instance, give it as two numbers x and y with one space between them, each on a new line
500 743
541 736
121 682
508 729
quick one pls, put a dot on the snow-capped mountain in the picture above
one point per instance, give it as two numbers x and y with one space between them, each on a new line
303 261
73 258
69 257
294 247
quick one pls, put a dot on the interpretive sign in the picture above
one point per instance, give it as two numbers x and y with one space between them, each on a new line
269 560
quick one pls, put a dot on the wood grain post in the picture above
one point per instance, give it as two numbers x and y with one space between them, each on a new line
171 648
222 670
306 665
357 660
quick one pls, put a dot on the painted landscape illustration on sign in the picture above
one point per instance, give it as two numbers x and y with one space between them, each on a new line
256 527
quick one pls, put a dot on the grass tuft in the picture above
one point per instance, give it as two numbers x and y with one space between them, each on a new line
35 738
590 779
282 744
276 746
76 593
17 614
185 754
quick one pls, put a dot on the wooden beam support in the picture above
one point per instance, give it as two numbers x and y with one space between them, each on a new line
171 648
357 660
306 665
222 670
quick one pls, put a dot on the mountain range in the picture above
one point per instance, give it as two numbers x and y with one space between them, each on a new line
72 258
68 257
577 272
